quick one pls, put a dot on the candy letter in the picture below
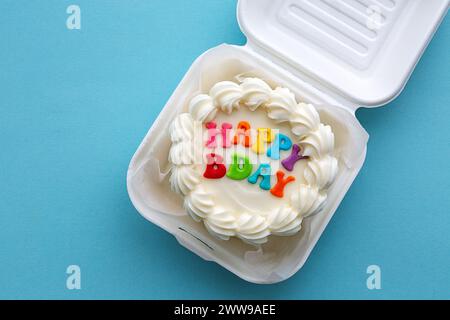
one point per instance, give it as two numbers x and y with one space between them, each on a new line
263 172
277 189
281 142
243 129
212 132
215 169
263 135
240 168
226 127
290 161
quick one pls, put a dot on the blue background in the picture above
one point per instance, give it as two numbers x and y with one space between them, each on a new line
75 104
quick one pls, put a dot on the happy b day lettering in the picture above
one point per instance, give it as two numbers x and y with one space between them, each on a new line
241 168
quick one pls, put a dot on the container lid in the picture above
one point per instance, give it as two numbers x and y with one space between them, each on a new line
365 50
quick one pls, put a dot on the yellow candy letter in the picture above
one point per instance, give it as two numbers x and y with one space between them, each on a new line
263 136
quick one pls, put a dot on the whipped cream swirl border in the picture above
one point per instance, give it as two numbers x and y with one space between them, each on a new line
315 139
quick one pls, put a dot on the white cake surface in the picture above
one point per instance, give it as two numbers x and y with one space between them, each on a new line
238 208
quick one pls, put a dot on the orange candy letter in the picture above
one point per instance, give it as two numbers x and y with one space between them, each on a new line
277 190
243 129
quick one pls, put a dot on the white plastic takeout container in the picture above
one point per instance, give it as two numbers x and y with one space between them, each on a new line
335 54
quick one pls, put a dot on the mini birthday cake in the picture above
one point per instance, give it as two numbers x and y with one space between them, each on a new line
250 161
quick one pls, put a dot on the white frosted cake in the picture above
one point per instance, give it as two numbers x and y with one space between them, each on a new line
250 161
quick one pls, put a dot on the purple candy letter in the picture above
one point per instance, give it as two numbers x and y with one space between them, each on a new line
290 161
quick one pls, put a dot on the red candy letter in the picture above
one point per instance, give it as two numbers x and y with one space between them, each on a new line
277 189
215 169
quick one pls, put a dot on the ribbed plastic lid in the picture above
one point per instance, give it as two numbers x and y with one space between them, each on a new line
365 50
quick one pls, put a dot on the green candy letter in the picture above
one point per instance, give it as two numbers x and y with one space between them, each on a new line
239 170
